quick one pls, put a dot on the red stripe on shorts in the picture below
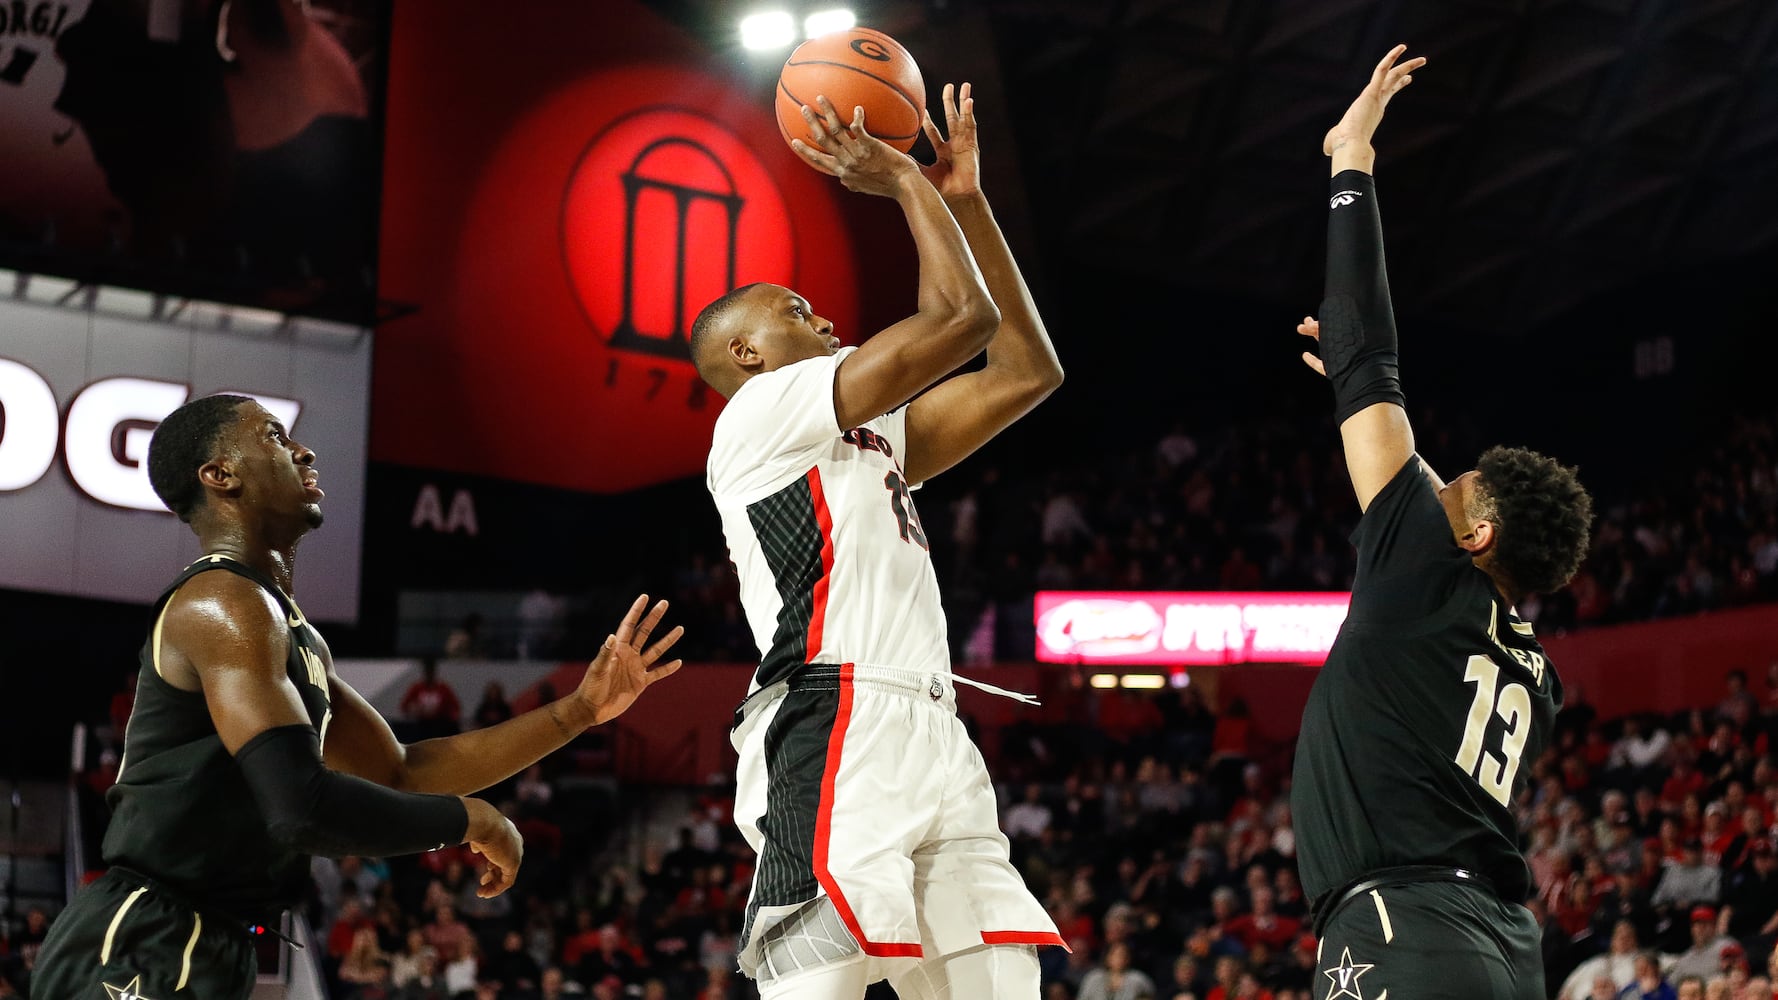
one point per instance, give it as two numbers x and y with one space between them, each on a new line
824 816
1026 937
818 618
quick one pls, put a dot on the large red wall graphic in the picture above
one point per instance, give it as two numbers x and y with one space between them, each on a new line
566 185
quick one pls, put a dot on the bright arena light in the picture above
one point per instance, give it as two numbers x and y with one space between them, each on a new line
771 29
1145 682
1104 681
824 22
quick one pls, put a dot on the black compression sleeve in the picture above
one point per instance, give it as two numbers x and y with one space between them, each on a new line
317 811
1358 345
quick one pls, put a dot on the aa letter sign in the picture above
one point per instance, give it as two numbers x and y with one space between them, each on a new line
1187 629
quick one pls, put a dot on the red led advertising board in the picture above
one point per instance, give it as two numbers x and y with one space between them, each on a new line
1187 629
565 186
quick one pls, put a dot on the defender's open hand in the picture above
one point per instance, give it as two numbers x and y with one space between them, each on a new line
624 668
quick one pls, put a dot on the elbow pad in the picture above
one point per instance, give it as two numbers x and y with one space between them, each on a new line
1358 343
313 810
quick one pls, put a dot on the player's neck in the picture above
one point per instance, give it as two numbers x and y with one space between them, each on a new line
274 558
1505 587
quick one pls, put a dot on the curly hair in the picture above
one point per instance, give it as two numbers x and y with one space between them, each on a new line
181 445
1544 517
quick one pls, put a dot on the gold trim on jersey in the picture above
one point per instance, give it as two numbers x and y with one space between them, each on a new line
160 621
116 919
1523 628
197 927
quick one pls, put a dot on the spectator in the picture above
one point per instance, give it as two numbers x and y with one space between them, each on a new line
447 935
540 614
344 931
1649 984
513 966
1689 883
1029 818
1263 924
1618 965
1228 979
460 972
1752 898
1115 980
494 708
555 985
465 641
365 971
431 704
1738 705
404 967
428 983
1690 988
1704 957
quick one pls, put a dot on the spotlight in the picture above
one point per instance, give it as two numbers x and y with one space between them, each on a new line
824 22
768 30
1104 681
1145 682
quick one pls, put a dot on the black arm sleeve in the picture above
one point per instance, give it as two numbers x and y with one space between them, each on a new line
1357 322
313 810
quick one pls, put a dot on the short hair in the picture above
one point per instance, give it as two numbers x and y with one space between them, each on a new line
711 316
1543 517
181 445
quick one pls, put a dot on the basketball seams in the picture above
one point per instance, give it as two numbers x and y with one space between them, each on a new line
911 103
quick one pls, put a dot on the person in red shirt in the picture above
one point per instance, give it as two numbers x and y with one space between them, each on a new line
431 704
351 920
1264 924
1685 780
1717 833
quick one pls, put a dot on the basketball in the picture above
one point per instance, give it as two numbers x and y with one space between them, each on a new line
854 68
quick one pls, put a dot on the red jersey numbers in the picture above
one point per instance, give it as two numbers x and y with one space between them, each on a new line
905 514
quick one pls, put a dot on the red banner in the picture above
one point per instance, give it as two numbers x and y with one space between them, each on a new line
1187 629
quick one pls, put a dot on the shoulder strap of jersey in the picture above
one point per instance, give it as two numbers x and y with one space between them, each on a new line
206 563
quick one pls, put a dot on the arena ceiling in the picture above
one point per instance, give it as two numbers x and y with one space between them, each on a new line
1549 152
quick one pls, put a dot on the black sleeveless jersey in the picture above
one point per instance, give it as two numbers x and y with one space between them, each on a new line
1433 704
181 809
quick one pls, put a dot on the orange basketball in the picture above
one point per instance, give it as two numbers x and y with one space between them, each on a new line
854 68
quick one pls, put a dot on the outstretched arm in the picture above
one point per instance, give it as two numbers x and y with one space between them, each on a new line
361 742
223 632
1356 329
955 315
954 419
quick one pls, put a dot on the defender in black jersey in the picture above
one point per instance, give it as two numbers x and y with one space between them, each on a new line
1435 692
245 753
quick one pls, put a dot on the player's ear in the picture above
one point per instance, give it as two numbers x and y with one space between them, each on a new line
1480 538
218 476
741 350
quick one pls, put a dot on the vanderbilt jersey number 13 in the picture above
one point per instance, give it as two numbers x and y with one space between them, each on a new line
1494 771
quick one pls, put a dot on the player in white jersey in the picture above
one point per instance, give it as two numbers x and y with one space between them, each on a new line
880 853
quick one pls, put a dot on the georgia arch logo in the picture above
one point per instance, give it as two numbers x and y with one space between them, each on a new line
663 211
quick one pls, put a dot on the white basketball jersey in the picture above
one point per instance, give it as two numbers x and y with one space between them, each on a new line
832 558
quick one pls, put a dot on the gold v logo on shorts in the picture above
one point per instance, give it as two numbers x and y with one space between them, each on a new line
130 992
1344 977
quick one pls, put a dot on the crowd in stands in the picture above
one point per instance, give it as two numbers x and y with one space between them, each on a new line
1268 507
1163 848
